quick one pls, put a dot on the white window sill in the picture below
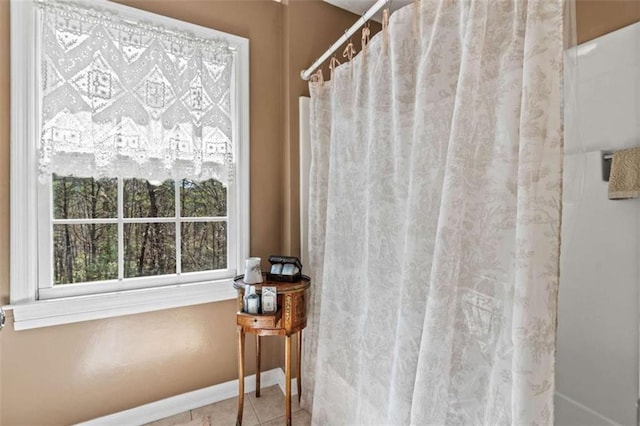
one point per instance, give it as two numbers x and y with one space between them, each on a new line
45 313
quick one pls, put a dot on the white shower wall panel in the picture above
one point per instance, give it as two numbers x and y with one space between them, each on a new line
604 105
597 357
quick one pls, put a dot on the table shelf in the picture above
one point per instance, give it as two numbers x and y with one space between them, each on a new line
259 320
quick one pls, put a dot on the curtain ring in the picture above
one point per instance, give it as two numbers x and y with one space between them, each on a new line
385 19
366 35
317 77
333 64
349 51
385 29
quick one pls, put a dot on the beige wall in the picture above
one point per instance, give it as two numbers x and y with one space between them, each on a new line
75 372
306 37
598 17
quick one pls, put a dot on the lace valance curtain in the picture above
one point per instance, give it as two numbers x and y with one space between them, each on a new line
132 99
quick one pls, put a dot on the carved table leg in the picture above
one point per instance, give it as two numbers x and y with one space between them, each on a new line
299 365
287 379
240 375
257 366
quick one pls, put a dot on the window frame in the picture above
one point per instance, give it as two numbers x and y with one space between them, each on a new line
48 290
29 224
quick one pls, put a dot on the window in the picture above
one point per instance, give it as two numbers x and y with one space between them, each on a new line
105 232
129 161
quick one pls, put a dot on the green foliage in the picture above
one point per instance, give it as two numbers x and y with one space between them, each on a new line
204 246
149 249
85 253
143 199
203 199
80 198
89 252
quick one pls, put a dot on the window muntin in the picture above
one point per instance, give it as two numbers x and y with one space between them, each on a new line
168 228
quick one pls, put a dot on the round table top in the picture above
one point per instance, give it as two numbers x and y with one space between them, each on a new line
282 287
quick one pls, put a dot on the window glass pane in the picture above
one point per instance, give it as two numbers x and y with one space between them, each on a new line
84 198
203 199
85 253
149 249
204 246
145 199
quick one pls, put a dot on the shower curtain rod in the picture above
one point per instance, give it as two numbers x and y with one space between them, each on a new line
306 74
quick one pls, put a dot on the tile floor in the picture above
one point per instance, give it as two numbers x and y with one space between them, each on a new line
268 410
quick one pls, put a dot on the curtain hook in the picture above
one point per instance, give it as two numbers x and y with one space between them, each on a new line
385 29
333 64
317 77
349 51
385 19
366 35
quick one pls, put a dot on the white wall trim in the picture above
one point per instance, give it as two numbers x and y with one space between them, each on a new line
587 410
190 400
282 381
24 207
304 107
67 310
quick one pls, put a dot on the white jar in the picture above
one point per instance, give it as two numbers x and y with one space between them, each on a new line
253 301
252 272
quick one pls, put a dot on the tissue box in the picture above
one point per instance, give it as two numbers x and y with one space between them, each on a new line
284 269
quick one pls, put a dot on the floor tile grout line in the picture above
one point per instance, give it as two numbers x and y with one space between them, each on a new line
246 396
253 408
265 421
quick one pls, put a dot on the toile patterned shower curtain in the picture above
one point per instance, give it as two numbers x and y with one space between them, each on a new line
435 198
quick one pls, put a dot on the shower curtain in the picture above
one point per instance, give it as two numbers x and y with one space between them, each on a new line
435 196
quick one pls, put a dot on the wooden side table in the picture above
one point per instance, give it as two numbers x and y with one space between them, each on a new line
289 319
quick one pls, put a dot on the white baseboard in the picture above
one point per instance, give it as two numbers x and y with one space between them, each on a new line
190 400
